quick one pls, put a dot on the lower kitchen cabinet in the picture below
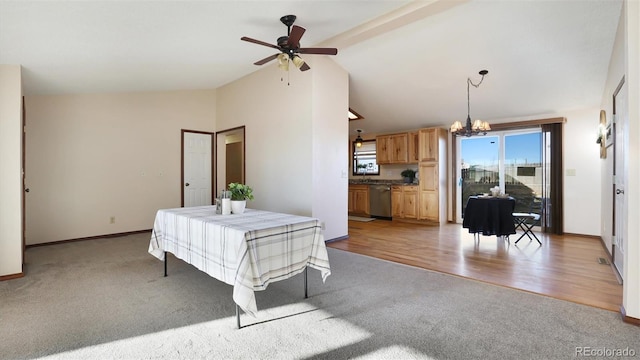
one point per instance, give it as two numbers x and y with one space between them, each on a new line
358 200
397 202
404 201
410 194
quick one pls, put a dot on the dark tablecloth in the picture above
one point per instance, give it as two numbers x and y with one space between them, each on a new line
490 215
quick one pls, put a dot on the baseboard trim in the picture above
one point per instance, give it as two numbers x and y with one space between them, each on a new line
90 238
12 276
337 239
628 319
596 237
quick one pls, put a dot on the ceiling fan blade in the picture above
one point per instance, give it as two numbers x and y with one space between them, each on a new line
294 37
304 67
320 51
244 38
266 60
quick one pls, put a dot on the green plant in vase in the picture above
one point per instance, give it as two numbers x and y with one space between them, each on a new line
240 192
408 175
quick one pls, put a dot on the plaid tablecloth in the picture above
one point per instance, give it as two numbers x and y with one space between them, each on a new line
248 250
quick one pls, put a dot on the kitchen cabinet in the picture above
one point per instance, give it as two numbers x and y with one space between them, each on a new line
432 172
428 144
397 202
404 201
358 200
411 199
413 152
392 149
383 152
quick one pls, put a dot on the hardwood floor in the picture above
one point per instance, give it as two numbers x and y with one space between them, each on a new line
564 267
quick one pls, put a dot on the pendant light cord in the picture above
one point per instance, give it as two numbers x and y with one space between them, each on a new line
468 99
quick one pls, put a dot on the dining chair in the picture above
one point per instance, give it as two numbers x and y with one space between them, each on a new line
525 221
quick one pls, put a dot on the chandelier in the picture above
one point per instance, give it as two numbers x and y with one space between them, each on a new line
478 127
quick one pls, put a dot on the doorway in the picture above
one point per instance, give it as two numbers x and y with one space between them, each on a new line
197 165
230 157
621 137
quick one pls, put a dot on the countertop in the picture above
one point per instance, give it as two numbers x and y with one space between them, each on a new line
379 182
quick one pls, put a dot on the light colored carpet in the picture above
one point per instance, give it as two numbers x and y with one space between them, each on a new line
359 218
107 299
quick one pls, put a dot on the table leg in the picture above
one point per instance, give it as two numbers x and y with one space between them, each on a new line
238 316
305 282
165 264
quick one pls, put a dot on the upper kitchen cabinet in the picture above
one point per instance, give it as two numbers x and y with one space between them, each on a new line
414 147
383 152
392 149
429 141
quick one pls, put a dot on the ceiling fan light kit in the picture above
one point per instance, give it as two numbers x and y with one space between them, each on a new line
478 127
289 47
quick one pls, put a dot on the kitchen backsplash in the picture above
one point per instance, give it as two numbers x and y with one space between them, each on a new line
388 172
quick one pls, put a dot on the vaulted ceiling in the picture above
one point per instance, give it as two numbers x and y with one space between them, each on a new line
408 61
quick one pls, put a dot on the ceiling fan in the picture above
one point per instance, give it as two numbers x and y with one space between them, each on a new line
289 47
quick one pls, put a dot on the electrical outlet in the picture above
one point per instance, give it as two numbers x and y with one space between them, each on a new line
112 220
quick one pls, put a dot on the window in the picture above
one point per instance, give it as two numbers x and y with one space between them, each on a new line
364 159
511 160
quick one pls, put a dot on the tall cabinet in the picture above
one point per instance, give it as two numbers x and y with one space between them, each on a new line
432 169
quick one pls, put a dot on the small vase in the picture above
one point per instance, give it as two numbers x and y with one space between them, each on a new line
237 206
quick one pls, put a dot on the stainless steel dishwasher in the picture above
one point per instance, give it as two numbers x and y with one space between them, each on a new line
380 201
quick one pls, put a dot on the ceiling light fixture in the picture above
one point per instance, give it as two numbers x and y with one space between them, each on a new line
359 140
297 61
478 127
354 115
283 62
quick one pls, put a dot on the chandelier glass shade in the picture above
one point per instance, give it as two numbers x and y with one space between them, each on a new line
478 127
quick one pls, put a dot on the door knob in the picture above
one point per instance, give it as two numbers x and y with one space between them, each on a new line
187 184
618 191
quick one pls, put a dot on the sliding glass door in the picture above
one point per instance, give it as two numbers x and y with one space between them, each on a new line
511 160
523 168
479 166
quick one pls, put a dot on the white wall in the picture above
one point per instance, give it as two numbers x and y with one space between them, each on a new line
615 74
91 157
582 156
279 109
631 292
625 63
278 136
10 170
330 129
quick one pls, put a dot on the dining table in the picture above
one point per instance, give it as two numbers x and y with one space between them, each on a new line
248 251
490 215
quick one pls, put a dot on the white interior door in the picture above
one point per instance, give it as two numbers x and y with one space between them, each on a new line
621 120
197 155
